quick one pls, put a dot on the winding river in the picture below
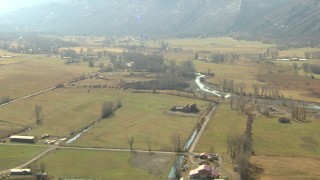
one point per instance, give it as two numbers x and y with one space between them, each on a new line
207 89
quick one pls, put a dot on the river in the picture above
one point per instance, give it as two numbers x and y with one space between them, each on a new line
207 89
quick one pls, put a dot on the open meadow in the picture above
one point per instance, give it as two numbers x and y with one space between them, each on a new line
143 116
296 139
219 44
14 155
283 168
68 110
88 164
28 74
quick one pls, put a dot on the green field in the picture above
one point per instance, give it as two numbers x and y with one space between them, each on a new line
297 139
142 116
69 110
85 164
14 155
223 122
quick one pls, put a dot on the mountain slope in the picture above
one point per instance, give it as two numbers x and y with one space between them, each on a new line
129 17
275 19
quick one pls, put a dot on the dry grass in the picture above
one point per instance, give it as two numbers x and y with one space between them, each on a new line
283 168
221 44
35 73
281 75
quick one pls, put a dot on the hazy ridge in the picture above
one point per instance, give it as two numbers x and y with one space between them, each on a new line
260 18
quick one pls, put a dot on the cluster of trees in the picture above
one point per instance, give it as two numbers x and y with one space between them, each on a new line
238 103
266 91
224 57
311 68
107 108
38 114
312 55
298 113
169 75
35 45
240 148
230 86
221 57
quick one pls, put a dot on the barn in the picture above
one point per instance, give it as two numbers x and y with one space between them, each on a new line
20 171
23 139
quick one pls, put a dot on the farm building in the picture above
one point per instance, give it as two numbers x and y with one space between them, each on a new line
20 172
23 139
204 155
204 172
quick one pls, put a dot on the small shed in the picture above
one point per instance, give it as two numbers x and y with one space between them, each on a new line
23 139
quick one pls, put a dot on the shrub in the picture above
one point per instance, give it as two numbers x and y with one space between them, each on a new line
285 120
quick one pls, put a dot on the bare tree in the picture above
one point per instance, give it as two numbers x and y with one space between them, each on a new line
130 142
106 109
42 167
177 142
38 114
148 140
255 89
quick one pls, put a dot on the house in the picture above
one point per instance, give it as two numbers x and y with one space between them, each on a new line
203 172
23 139
20 172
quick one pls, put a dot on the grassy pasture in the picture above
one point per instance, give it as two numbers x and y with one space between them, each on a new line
297 139
283 168
11 156
220 44
70 109
64 110
224 121
142 116
104 165
34 73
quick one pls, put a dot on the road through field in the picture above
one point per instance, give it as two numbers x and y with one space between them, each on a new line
57 147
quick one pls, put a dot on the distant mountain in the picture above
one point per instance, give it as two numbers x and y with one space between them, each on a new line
256 18
185 17
289 19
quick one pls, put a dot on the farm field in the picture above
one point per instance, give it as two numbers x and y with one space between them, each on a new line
224 121
85 164
297 139
283 168
142 115
14 155
32 73
74 108
219 44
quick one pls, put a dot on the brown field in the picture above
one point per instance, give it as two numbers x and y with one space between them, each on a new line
284 168
35 73
281 76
